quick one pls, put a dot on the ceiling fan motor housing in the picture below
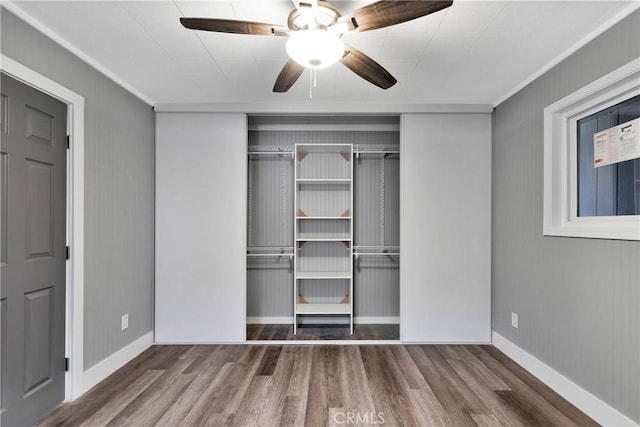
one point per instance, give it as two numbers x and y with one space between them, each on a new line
306 18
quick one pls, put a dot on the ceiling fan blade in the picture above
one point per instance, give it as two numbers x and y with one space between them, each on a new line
367 68
288 76
230 26
385 13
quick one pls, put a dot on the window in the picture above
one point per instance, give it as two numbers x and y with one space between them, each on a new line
613 189
581 200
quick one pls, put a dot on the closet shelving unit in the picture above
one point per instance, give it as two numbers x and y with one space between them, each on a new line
323 230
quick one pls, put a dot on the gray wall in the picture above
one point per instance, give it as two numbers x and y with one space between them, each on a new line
119 187
577 299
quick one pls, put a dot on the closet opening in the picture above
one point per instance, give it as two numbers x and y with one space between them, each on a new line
323 237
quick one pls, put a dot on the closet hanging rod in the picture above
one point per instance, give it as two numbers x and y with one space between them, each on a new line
264 248
376 247
376 152
377 253
291 153
270 255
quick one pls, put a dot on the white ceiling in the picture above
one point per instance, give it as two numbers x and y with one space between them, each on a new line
475 52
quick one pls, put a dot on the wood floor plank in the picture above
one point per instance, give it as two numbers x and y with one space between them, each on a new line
320 385
538 387
292 413
197 414
487 395
225 392
253 331
468 400
387 392
355 386
249 364
277 391
450 399
210 367
254 401
269 360
486 376
154 408
397 377
484 420
114 406
428 409
521 392
153 401
301 370
322 388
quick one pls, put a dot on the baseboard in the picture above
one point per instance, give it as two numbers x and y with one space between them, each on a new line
376 320
108 366
260 320
359 320
600 411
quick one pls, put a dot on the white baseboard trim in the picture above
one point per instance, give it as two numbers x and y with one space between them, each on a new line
376 320
601 412
360 320
260 320
117 360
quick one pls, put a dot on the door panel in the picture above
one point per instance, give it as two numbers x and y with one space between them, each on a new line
38 323
32 223
4 113
4 200
39 126
3 354
39 212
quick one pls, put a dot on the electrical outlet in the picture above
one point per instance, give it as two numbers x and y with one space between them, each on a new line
514 320
125 321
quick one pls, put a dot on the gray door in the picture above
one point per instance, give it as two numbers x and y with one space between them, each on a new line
33 252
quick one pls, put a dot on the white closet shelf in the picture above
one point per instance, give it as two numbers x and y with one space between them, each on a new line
323 275
323 181
323 309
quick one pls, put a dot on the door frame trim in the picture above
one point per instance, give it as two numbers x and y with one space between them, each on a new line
74 308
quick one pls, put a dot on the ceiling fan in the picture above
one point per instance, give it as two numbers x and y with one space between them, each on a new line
315 28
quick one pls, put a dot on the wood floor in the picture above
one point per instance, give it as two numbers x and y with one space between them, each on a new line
246 385
320 332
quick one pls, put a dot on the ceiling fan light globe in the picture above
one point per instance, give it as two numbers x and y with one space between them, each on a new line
315 48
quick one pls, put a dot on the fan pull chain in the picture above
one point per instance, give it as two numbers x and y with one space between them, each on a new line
313 81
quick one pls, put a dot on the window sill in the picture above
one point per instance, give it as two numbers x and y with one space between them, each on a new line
608 228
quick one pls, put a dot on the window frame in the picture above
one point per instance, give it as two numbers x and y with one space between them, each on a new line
560 201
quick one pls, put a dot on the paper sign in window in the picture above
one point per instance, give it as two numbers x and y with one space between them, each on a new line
617 144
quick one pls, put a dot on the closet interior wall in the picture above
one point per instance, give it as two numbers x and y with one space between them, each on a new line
375 218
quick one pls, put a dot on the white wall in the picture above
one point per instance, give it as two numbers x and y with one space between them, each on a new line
445 182
201 209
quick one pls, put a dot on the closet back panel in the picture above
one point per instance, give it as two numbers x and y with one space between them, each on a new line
270 201
323 200
377 211
270 214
